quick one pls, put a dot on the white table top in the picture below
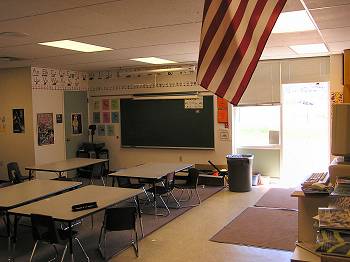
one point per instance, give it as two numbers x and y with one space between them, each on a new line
60 206
66 165
152 170
29 191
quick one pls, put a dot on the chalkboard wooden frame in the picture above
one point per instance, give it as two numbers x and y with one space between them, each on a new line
165 123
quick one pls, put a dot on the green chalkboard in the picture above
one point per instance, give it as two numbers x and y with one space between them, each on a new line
166 124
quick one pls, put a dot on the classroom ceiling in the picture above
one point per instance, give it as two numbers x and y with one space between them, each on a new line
168 29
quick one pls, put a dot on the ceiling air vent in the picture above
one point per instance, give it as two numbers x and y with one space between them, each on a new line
9 59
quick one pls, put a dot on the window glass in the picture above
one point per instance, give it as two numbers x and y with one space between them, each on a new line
257 126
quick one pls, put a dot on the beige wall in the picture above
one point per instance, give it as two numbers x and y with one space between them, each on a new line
49 101
16 92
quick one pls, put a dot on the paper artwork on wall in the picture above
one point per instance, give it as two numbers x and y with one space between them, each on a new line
59 118
96 117
109 130
18 120
105 105
194 103
2 124
115 117
77 125
224 135
46 134
106 117
115 104
96 105
101 130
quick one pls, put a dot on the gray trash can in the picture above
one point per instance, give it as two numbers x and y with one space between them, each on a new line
240 172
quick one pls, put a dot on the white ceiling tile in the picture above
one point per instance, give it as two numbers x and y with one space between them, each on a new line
334 17
287 39
339 47
336 35
311 4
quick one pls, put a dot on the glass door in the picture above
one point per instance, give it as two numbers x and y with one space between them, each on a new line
305 131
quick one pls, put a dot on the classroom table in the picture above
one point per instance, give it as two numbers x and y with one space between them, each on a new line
153 172
65 165
24 193
60 206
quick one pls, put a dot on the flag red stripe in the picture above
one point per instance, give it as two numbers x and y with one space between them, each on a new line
214 25
262 42
242 49
220 53
206 7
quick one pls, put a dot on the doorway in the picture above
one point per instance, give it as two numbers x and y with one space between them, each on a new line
305 131
76 121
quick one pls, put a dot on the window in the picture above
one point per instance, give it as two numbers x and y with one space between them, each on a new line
257 126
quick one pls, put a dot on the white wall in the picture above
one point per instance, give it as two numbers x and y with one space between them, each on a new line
49 101
16 93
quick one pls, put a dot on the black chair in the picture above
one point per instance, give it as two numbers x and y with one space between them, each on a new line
44 230
190 186
98 172
119 219
14 173
166 188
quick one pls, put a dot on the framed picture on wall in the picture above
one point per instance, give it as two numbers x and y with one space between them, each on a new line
18 120
77 125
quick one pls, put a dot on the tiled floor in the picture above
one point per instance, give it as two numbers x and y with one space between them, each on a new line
187 237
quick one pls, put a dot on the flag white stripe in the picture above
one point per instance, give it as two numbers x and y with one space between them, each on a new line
212 10
225 63
264 18
219 35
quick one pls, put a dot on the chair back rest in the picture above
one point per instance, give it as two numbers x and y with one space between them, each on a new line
123 181
44 229
13 172
170 181
192 179
120 218
97 170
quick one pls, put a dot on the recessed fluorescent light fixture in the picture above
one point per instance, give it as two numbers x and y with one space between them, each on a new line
153 60
296 21
309 49
76 46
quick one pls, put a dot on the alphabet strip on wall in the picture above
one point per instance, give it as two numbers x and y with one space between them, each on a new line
56 79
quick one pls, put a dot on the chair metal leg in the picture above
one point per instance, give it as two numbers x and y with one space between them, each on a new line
34 248
165 205
180 198
199 199
82 248
56 254
103 180
64 252
135 243
177 202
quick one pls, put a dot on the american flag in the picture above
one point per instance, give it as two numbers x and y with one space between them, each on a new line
234 34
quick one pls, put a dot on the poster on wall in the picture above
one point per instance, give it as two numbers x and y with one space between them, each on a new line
45 129
96 117
101 130
109 130
105 105
115 104
77 125
18 120
96 105
115 117
106 117
59 118
2 124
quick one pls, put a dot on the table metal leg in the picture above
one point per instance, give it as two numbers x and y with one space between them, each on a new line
70 240
8 228
154 197
113 181
30 174
139 213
